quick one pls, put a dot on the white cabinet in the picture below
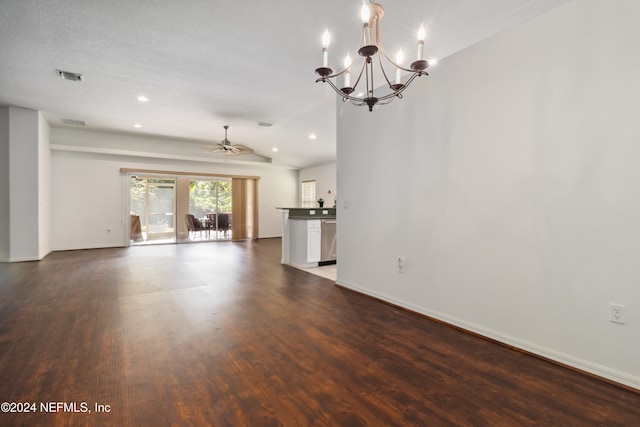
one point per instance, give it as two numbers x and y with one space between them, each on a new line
305 242
314 240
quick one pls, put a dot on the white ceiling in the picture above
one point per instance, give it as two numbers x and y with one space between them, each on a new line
204 64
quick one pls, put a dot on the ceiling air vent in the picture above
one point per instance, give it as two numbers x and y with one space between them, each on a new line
267 125
68 75
73 122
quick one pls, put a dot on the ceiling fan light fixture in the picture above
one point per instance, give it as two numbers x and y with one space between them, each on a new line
225 147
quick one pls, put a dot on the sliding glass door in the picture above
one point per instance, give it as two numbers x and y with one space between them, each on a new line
210 203
180 208
153 210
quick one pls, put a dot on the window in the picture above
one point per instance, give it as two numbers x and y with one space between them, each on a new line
308 194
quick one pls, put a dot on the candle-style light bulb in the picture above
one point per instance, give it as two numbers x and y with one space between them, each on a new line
326 39
421 35
365 15
347 61
347 76
399 61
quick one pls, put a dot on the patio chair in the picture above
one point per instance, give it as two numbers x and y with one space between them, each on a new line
194 225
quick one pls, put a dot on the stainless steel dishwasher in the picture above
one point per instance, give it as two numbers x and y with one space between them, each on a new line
328 254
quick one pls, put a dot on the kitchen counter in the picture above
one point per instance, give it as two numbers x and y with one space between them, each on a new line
301 235
310 213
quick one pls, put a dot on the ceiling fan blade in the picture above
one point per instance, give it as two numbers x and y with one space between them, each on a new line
210 149
243 149
227 149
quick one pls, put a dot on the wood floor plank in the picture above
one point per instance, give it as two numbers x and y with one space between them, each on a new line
221 334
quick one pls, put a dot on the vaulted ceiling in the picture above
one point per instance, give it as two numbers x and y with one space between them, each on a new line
204 64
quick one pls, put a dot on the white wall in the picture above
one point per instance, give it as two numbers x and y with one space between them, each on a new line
23 184
325 177
24 170
5 198
44 187
514 199
88 189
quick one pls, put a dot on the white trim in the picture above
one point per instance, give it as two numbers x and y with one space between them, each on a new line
126 203
119 152
566 359
83 247
22 259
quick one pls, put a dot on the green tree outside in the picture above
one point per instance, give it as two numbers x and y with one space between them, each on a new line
209 197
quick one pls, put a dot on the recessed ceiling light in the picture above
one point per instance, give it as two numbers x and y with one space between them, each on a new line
137 125
275 149
433 61
143 98
312 136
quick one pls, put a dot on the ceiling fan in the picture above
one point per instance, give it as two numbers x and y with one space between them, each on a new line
226 148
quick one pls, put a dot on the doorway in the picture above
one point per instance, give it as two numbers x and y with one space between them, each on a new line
163 206
152 210
210 201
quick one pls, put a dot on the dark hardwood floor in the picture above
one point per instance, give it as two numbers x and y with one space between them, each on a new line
221 334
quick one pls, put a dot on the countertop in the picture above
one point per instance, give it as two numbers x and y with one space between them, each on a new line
311 213
310 217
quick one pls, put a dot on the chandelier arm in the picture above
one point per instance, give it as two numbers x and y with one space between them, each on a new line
344 96
395 64
398 93
339 73
381 47
388 57
412 78
381 100
335 88
384 73
360 101
364 64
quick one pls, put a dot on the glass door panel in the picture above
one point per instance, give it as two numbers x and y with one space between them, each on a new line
210 203
153 216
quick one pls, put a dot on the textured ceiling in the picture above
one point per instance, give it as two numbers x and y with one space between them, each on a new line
204 64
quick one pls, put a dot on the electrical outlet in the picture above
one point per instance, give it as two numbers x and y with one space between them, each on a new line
616 313
400 265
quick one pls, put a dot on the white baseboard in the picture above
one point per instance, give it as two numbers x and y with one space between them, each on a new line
20 259
81 248
565 359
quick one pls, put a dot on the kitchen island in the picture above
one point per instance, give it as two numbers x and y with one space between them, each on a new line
308 236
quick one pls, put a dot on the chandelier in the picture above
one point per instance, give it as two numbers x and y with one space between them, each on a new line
370 45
